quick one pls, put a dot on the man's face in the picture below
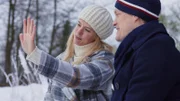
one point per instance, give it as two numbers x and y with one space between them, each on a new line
124 24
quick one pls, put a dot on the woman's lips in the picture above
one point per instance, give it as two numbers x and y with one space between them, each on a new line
78 38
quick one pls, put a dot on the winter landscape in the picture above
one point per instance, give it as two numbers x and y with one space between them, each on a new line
24 84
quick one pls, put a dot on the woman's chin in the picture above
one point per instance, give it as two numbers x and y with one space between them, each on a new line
77 43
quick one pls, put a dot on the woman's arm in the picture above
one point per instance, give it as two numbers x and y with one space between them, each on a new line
91 75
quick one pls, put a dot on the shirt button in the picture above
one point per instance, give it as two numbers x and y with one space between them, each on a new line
116 86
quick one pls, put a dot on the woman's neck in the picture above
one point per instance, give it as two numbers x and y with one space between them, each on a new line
82 50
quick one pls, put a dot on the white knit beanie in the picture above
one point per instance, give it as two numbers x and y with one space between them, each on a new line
99 19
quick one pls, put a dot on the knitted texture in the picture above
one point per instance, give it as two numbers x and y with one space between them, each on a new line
99 19
147 10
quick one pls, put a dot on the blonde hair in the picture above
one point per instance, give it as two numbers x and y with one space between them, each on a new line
98 45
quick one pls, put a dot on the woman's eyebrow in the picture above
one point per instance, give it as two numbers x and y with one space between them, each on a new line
88 28
79 22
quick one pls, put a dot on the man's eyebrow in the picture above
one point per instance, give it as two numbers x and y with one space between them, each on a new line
115 11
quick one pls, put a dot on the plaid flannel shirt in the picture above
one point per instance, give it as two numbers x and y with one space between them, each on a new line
90 80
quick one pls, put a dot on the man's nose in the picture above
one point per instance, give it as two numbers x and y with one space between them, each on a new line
114 23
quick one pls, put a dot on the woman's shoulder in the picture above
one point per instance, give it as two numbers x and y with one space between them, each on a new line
60 56
102 53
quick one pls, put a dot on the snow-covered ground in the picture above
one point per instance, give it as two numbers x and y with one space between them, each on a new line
33 92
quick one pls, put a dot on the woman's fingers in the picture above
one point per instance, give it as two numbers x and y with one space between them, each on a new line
32 26
28 25
34 32
21 37
24 26
28 28
28 35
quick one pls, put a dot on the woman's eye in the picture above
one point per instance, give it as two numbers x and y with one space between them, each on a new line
78 24
87 30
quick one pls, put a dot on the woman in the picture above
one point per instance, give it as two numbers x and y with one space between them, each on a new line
84 71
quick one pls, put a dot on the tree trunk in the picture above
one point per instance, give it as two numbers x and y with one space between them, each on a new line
37 20
54 28
9 39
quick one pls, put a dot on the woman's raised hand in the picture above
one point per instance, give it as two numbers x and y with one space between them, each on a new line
28 36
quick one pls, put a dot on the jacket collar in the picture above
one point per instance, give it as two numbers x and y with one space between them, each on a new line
135 39
147 31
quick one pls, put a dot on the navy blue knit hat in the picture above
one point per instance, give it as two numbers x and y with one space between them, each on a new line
145 9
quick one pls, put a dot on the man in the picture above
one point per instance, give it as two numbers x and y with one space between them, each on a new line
147 63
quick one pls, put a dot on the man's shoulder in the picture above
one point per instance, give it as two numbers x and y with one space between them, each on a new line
159 41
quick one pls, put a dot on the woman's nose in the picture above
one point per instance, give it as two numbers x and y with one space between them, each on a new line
80 30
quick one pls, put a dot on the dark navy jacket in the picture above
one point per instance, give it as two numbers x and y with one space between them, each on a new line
147 66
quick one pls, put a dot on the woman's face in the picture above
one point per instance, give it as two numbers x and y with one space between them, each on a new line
83 33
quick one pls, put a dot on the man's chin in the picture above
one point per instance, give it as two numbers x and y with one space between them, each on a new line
118 39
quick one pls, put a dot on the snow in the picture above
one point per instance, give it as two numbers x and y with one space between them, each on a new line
36 92
33 92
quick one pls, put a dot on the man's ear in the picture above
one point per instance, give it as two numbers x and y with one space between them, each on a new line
139 20
135 18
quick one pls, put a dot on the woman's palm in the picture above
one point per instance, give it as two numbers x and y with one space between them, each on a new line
28 35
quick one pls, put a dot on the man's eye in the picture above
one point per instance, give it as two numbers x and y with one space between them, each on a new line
118 14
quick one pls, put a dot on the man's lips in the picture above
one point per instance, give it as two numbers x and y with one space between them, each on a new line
117 28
